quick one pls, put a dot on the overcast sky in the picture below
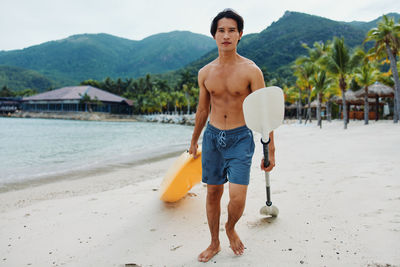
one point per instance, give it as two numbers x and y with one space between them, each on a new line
25 23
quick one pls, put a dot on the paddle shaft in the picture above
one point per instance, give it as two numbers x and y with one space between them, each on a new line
266 164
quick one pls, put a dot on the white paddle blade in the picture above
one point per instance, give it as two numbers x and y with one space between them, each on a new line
264 110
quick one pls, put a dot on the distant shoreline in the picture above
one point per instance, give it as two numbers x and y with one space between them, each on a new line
185 119
99 116
84 116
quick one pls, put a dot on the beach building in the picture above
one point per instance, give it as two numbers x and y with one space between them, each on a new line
77 98
9 104
379 96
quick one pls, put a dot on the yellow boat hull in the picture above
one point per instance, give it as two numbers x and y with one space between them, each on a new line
181 177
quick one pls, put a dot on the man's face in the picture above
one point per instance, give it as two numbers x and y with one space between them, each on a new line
227 35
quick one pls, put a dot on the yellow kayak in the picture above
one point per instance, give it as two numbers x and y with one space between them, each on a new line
181 177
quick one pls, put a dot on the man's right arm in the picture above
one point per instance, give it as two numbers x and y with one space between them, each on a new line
203 109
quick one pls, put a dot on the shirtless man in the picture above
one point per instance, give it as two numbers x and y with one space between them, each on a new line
228 144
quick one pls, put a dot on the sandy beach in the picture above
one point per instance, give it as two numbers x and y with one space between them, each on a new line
338 192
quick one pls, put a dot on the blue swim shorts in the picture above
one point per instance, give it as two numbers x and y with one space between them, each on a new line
226 155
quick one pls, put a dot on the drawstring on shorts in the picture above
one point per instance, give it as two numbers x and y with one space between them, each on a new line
221 138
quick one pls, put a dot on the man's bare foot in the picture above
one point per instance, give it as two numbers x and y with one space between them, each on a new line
210 252
236 244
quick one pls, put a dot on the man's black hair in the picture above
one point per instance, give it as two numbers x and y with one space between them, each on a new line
230 14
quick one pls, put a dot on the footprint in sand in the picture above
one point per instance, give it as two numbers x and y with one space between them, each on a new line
260 222
175 248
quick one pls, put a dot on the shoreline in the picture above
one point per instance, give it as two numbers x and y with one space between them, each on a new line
84 116
184 119
337 191
82 173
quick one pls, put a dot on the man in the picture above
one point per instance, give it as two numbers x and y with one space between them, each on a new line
228 144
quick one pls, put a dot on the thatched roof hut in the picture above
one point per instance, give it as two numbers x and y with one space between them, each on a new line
376 90
291 106
352 99
314 104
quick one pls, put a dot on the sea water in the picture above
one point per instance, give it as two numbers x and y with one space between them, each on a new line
32 149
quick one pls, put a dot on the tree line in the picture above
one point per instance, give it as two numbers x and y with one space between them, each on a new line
331 68
327 71
151 94
8 92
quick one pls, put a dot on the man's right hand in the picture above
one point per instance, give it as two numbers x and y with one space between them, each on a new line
193 150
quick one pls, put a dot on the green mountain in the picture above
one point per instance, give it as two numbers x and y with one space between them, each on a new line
281 43
366 26
166 51
97 56
18 79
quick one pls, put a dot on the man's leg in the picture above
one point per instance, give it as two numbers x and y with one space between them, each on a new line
237 195
213 208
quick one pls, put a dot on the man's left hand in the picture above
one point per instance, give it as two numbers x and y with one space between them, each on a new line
271 164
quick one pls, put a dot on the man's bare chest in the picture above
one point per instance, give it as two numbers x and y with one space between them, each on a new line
225 82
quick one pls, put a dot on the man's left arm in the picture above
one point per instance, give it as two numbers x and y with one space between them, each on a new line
257 82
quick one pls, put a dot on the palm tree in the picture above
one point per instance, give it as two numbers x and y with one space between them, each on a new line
186 77
339 63
318 51
387 38
304 69
148 83
300 87
329 94
186 90
165 90
311 64
194 92
88 102
321 82
365 76
179 99
108 84
6 92
292 96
